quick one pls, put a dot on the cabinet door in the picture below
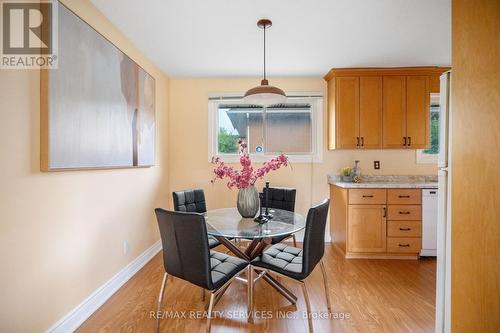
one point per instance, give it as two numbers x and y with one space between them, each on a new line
366 228
417 111
331 114
347 112
394 111
370 111
434 84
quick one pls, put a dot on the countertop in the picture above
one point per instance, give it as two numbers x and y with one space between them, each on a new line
387 181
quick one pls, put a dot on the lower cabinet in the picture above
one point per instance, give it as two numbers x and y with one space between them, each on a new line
366 228
403 245
376 223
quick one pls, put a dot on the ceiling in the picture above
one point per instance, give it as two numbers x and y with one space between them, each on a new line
219 38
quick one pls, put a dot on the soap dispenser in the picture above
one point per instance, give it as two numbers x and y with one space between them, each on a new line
356 171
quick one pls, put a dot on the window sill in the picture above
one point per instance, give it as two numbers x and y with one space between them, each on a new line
260 158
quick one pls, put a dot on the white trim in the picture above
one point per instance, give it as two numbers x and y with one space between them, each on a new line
72 320
316 101
444 254
428 253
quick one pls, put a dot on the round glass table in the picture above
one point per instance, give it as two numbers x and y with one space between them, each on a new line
226 223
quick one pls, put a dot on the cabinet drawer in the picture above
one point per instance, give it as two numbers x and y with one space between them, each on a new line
367 196
404 212
404 196
405 245
404 229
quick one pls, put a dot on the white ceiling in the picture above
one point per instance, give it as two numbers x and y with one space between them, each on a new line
219 38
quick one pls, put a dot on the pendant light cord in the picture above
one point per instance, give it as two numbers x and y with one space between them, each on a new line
264 52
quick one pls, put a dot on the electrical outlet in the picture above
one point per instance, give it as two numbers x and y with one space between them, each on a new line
376 165
126 247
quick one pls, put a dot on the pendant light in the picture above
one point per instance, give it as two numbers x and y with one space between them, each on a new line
265 95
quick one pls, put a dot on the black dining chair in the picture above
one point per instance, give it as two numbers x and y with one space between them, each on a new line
193 201
297 264
187 256
281 198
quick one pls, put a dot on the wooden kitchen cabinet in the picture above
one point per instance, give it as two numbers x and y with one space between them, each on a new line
376 222
406 111
417 112
370 112
358 101
347 117
394 106
380 108
366 228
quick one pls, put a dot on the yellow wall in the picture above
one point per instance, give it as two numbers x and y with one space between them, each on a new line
475 266
188 147
61 233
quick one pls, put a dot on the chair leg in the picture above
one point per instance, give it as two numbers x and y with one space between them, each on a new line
209 312
327 287
294 241
160 300
308 306
250 294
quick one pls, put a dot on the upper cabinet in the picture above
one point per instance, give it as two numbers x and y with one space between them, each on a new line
380 108
370 112
347 117
417 111
394 115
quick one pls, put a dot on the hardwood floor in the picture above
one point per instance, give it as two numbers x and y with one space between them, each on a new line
372 295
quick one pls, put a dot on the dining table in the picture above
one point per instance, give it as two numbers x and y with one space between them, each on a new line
229 227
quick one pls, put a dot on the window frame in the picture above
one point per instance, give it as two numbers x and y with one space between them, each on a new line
420 156
314 99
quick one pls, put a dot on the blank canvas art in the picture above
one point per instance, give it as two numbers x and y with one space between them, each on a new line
98 106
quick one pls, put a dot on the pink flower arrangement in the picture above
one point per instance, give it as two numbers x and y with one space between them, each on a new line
247 176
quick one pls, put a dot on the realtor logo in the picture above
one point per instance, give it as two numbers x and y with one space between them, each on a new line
29 34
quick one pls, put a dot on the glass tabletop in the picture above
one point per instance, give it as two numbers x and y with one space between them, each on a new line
227 222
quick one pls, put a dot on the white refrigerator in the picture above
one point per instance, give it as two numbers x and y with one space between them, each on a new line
443 269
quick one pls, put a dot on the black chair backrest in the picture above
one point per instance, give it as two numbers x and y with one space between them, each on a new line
314 237
186 254
280 198
190 201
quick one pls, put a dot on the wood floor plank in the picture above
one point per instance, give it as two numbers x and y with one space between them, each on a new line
377 295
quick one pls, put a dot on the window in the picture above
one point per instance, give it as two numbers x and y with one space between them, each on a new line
430 154
293 128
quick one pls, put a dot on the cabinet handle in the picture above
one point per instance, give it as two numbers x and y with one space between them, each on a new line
385 212
409 141
363 141
357 141
367 196
403 196
404 213
405 229
404 245
404 140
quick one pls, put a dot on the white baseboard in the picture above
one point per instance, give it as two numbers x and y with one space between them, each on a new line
71 321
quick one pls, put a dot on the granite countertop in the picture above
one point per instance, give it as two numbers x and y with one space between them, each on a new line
386 181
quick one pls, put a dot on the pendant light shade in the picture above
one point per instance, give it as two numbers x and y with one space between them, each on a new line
264 95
